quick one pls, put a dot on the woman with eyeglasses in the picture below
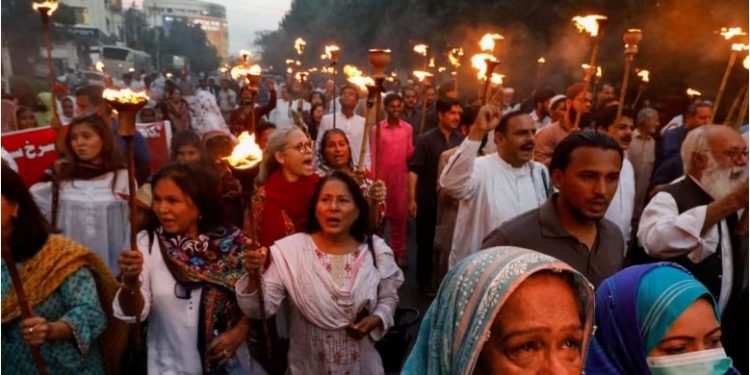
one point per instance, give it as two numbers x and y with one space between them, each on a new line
81 193
181 278
341 283
285 185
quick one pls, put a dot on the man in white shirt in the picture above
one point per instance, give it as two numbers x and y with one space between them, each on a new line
620 210
346 120
282 114
497 187
696 223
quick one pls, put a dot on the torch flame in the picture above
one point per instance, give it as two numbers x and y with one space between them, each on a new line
587 69
100 66
692 92
739 47
421 75
244 55
299 45
589 24
290 61
487 43
329 52
455 56
541 60
432 62
49 5
246 154
730 32
442 69
356 77
746 62
125 96
497 79
421 49
479 63
239 71
645 75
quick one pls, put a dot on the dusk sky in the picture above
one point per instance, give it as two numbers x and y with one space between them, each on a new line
246 17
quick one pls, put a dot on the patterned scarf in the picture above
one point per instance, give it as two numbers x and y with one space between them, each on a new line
43 274
212 262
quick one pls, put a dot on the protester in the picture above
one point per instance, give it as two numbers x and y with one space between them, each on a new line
66 285
547 138
68 110
206 115
263 133
479 322
341 282
620 210
25 118
669 166
605 94
185 266
44 114
642 154
228 188
8 116
494 188
178 111
656 319
227 98
570 225
411 113
695 222
423 178
248 114
285 185
316 113
82 190
348 121
281 115
392 156
540 114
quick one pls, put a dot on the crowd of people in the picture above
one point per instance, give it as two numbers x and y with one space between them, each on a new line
555 234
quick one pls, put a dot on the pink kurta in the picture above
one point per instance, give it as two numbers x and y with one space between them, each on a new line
395 150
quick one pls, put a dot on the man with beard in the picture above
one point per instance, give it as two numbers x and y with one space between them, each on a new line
694 221
423 180
240 119
411 113
570 225
549 136
540 115
620 209
605 94
494 188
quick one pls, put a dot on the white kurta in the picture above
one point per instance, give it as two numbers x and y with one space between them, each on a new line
665 233
354 126
281 116
321 310
490 192
90 213
172 339
620 210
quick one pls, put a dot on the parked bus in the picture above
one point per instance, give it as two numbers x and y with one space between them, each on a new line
120 60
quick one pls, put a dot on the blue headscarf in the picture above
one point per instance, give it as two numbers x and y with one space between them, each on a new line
634 310
458 321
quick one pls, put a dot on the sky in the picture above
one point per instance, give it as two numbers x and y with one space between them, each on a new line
246 17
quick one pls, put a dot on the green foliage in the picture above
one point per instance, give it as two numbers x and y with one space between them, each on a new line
190 41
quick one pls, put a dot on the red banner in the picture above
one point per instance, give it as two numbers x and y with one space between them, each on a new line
33 150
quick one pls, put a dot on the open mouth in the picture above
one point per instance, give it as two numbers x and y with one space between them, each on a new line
333 222
527 147
308 162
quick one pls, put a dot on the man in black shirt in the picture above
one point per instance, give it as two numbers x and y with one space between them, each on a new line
423 176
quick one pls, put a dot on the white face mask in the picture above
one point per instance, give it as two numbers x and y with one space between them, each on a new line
705 362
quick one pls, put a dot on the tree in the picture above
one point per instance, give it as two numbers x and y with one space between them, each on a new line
190 41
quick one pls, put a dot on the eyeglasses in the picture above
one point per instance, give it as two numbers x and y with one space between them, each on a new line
303 147
736 153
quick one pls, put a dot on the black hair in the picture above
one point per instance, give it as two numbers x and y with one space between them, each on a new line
543 94
392 97
444 88
360 229
199 185
606 117
446 104
692 109
583 138
93 92
347 87
263 126
324 139
503 125
187 138
30 229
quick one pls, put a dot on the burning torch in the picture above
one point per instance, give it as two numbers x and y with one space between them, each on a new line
729 34
425 79
379 59
332 52
592 25
45 9
644 75
251 75
631 38
486 62
454 56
